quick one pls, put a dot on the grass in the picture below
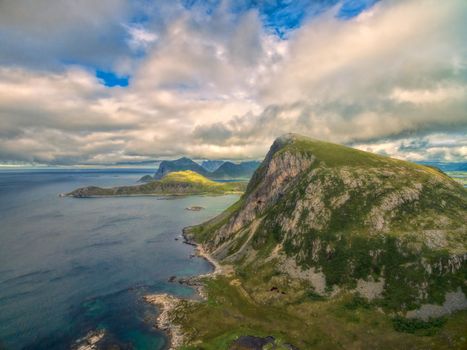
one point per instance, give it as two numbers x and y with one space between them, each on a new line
416 326
261 301
350 249
189 176
357 302
176 183
334 155
345 322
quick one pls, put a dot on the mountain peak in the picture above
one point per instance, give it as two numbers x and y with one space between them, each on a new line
180 164
349 215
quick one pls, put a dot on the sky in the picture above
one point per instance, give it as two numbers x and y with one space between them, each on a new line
103 82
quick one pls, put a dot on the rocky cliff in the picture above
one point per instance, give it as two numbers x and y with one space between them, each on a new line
340 218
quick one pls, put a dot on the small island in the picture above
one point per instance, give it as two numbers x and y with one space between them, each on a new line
194 208
180 183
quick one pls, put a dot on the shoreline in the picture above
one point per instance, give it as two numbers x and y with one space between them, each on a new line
166 303
161 195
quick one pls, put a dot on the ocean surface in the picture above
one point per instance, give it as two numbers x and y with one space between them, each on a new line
68 266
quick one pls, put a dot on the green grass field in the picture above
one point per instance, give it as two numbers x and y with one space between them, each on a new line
338 323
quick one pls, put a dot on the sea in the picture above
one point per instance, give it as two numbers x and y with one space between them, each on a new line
69 266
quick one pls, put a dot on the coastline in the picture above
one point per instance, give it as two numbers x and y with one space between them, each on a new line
161 195
166 303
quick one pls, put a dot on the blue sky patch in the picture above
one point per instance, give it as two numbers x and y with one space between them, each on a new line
111 79
281 16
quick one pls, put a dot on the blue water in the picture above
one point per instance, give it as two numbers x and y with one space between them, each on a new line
69 265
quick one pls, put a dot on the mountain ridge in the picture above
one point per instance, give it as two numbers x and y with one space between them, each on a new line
331 247
328 207
211 165
224 170
180 164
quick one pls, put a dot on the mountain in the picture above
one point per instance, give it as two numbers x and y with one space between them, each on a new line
175 183
181 164
211 165
230 170
225 171
339 219
332 247
146 178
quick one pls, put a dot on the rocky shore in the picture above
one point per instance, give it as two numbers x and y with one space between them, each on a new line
167 303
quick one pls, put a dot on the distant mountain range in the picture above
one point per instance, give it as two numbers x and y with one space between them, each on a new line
230 170
212 165
223 170
445 166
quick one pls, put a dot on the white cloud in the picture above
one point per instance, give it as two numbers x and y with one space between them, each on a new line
221 86
437 95
140 37
45 33
399 69
434 147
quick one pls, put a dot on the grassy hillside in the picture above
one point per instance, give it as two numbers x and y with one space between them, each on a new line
327 245
175 183
181 164
307 321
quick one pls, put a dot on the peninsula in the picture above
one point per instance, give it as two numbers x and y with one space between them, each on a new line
180 183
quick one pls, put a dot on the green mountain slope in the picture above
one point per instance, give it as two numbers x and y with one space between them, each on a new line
321 222
346 213
174 183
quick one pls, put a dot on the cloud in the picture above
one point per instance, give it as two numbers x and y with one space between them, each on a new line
45 33
397 69
434 147
140 38
434 96
219 83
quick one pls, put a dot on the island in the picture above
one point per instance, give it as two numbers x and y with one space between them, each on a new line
180 183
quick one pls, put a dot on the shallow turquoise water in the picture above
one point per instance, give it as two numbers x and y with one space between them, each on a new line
71 265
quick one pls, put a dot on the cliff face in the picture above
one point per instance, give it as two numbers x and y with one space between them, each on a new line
343 218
